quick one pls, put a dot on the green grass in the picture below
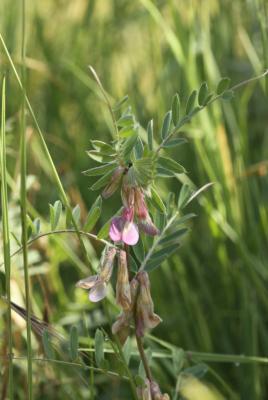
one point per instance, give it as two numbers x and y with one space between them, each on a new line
212 295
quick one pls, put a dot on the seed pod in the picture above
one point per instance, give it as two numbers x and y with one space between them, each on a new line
145 316
123 295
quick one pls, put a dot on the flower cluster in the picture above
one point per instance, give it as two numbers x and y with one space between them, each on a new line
135 215
134 297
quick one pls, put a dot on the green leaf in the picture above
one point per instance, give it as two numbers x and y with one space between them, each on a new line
198 370
120 103
190 102
104 231
127 350
138 148
133 265
150 134
73 345
125 120
104 148
57 212
127 132
76 213
145 169
175 142
202 94
173 236
103 169
175 109
52 217
127 146
140 381
178 358
155 262
36 226
68 218
171 165
164 173
185 218
198 191
157 201
207 100
96 155
185 194
99 352
138 250
103 180
223 85
228 95
16 239
48 349
93 215
166 124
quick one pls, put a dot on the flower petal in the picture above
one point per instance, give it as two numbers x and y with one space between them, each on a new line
116 228
98 292
130 234
88 282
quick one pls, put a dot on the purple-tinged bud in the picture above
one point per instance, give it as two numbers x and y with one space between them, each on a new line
121 326
156 392
107 264
145 316
145 222
114 183
123 295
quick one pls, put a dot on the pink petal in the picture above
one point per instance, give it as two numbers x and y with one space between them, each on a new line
130 234
98 292
116 228
88 282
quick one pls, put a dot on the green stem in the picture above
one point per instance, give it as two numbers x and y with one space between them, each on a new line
23 201
61 231
187 118
6 242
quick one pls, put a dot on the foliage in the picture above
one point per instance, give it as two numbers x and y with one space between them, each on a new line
211 291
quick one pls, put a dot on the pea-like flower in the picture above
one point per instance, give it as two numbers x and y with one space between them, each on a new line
124 229
135 215
145 316
97 284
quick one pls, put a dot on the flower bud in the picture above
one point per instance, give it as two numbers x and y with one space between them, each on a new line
114 182
156 392
121 326
123 295
107 264
145 316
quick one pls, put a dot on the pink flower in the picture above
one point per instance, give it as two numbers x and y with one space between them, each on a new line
97 284
124 229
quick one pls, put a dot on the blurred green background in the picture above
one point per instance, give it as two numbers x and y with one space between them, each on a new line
212 295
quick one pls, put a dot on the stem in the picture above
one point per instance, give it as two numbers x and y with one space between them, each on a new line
187 118
6 241
97 79
23 201
60 231
144 358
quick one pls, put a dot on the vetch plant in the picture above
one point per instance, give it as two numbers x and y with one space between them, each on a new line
132 166
138 238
